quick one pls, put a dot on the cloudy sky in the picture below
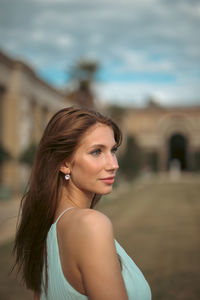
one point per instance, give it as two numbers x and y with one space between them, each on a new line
145 48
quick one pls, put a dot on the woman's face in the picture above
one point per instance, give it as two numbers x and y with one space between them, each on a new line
94 163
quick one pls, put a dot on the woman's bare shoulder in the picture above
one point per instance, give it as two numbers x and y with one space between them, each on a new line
84 229
85 217
93 222
90 245
96 254
82 221
94 227
88 216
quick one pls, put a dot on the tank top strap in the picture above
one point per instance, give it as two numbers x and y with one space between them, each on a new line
62 213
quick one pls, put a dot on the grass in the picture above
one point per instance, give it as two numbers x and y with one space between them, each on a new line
158 223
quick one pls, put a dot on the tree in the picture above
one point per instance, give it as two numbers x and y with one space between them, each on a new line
4 154
130 160
84 71
83 74
28 155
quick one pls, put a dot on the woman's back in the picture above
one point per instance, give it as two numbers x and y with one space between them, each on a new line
58 286
66 281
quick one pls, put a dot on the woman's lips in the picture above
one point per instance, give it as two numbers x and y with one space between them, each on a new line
108 180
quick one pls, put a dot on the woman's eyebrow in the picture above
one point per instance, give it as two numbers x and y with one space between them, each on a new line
101 146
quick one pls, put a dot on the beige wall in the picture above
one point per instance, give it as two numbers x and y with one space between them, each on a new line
26 105
152 128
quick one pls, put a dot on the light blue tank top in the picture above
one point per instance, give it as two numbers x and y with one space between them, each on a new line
60 289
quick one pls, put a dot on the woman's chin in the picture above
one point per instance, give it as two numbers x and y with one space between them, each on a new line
106 191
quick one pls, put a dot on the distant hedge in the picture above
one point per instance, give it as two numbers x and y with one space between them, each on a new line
28 155
130 160
4 154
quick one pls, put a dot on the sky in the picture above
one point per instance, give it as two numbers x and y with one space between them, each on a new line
145 48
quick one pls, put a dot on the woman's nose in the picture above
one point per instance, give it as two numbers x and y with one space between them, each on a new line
112 163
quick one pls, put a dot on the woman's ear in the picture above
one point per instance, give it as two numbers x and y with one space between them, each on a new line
64 168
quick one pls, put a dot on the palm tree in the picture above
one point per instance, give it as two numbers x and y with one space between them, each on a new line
83 74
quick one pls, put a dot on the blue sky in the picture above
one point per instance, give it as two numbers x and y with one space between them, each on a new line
145 48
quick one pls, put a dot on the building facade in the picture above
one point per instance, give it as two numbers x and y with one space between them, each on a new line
166 136
161 135
26 104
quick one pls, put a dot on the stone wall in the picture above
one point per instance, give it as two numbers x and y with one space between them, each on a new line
167 134
26 104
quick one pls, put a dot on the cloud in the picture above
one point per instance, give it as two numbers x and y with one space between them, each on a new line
142 61
136 42
137 94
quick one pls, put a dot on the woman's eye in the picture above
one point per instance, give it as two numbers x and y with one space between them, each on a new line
96 152
114 150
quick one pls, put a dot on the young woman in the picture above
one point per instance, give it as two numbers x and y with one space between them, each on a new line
64 248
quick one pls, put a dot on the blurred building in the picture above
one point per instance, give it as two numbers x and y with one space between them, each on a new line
26 104
165 137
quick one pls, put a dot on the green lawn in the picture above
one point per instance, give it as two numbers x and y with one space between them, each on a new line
158 224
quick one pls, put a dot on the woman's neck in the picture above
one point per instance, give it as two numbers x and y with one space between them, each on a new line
75 197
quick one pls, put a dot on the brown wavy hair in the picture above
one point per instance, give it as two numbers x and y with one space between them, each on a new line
38 206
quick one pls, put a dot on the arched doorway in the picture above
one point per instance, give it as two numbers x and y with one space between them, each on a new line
178 151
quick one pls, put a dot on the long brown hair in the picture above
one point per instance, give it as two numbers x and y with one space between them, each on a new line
38 206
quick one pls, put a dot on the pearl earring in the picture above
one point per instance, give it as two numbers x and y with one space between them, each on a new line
67 176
